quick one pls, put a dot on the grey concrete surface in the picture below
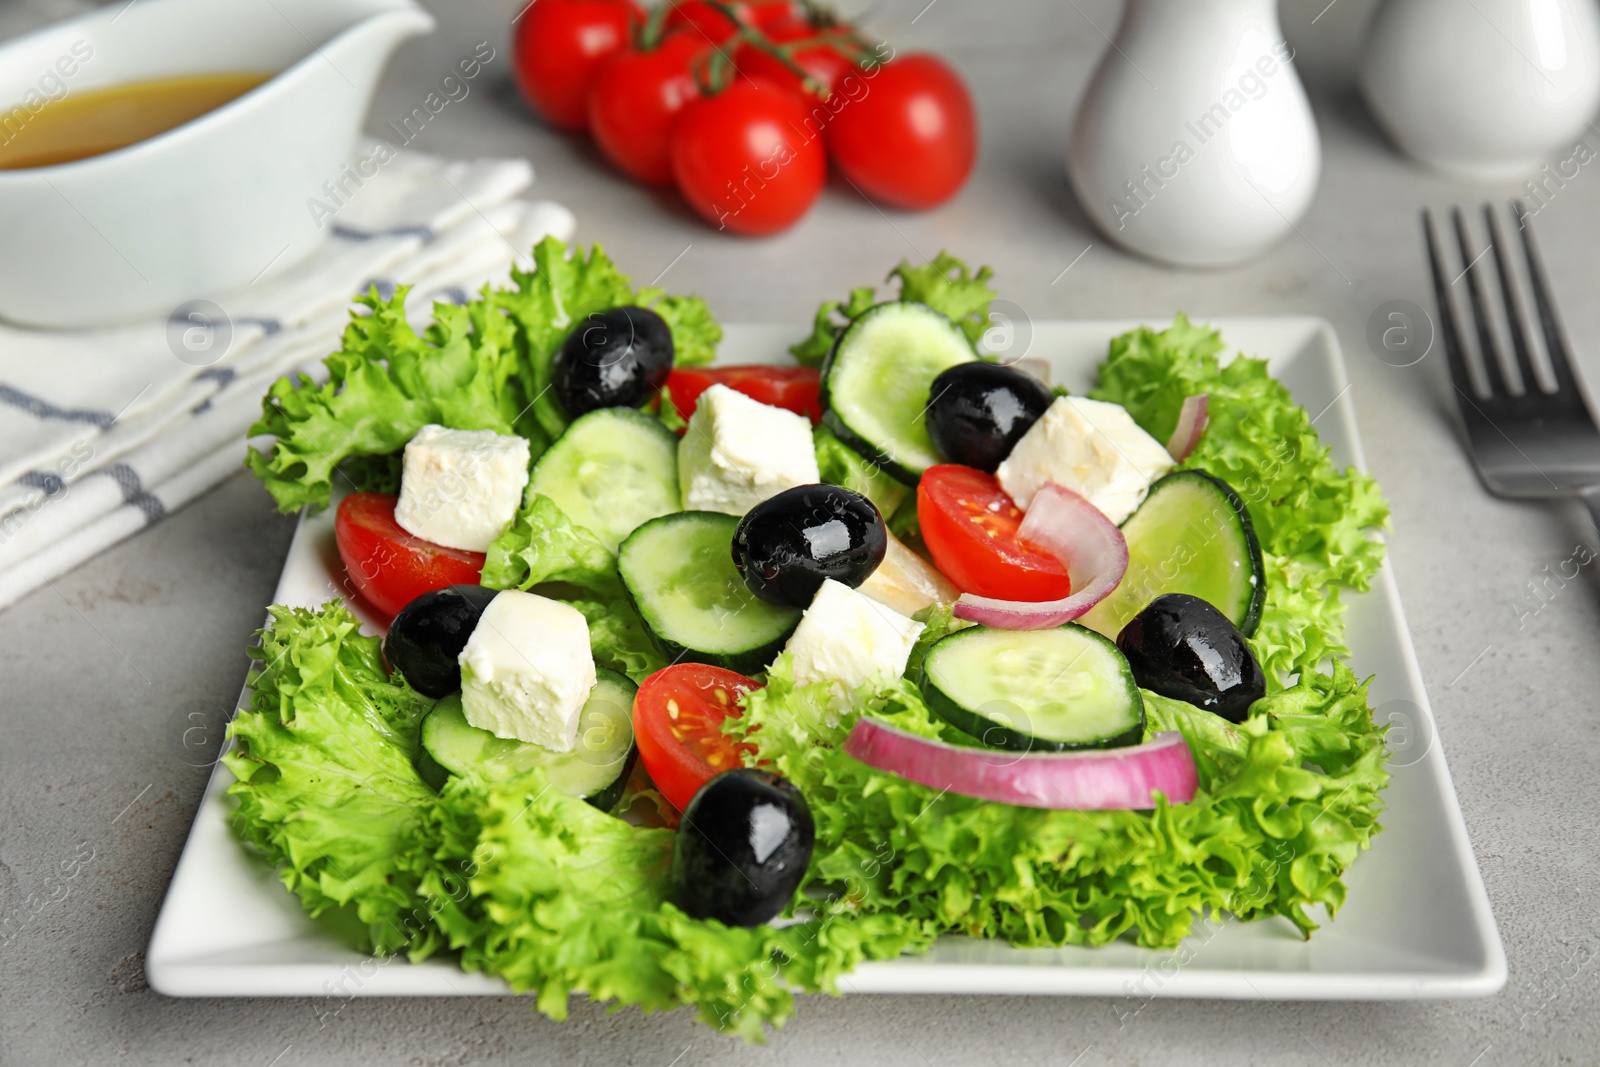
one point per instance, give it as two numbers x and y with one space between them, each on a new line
101 674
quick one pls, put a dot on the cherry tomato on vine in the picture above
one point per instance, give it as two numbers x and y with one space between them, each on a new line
744 159
636 99
827 61
677 724
715 27
559 48
389 566
911 138
970 527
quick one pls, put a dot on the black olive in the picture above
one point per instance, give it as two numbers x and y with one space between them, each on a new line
742 848
1182 647
978 411
613 359
425 640
787 545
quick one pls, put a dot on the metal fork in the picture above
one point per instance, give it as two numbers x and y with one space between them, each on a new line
1526 442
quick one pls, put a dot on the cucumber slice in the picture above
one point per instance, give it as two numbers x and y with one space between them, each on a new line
596 768
1191 535
612 470
679 571
1034 690
876 382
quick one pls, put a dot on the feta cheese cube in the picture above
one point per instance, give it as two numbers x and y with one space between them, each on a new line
526 671
848 637
461 488
1091 447
737 452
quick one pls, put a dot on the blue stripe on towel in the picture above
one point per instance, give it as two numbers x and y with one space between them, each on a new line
222 376
43 409
350 233
51 484
133 491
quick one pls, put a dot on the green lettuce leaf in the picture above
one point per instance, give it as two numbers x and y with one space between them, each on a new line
522 881
484 365
1268 835
558 898
325 782
543 545
1317 523
944 283
384 384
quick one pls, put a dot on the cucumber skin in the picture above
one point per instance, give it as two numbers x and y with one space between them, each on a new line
876 456
431 771
750 661
606 799
1258 597
997 735
840 428
435 774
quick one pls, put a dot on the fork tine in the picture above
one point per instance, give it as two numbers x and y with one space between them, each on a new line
1488 347
1554 343
1449 327
1508 290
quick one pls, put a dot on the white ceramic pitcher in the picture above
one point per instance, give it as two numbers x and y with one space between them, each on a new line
1488 89
1195 144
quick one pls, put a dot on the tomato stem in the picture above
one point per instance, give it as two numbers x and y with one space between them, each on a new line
653 27
765 44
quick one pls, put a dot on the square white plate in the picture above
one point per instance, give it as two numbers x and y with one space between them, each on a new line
1416 923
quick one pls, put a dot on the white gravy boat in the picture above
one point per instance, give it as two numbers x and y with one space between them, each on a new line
215 204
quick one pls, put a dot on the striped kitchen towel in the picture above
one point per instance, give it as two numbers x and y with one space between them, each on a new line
105 431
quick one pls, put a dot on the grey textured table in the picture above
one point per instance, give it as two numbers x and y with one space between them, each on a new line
102 674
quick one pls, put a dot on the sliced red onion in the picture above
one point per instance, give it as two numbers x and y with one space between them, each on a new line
1078 534
1113 779
1192 419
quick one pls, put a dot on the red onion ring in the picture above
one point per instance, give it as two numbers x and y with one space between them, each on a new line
1114 779
1192 420
1081 536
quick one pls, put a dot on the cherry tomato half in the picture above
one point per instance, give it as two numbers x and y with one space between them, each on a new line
744 159
791 388
677 724
910 139
559 48
389 566
970 526
635 100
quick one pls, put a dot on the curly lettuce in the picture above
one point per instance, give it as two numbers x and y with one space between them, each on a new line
559 899
520 880
1288 800
944 283
483 365
1315 521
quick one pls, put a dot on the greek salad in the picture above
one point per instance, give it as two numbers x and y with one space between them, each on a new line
701 685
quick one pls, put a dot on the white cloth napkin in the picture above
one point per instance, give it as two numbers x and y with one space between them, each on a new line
105 431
